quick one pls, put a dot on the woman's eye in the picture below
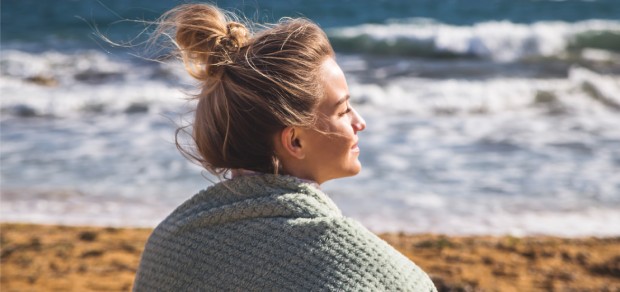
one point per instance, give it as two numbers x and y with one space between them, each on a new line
348 110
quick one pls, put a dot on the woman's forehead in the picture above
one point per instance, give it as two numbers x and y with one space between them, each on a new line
335 84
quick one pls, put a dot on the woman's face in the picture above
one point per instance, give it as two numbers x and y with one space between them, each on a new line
332 150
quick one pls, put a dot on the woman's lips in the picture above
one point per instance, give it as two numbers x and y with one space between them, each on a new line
355 148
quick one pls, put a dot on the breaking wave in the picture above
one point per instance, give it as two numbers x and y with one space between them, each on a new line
497 40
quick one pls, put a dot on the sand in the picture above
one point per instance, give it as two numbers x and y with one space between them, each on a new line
60 258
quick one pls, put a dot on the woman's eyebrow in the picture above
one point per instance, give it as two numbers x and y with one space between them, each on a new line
343 99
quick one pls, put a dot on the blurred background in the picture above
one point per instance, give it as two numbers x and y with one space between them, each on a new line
484 116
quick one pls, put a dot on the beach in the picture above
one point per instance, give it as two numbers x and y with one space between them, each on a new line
63 258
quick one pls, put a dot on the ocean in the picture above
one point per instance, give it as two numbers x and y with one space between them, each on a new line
483 116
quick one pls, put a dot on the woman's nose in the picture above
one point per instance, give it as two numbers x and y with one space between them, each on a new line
358 122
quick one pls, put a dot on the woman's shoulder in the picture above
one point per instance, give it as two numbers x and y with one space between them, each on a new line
282 234
370 261
279 253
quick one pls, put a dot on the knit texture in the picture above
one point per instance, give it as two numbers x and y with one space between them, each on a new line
268 232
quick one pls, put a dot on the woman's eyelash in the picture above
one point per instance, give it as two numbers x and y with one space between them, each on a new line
348 110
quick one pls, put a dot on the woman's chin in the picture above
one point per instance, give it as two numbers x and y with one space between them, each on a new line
355 169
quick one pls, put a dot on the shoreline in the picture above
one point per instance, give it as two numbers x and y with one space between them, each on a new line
76 208
53 257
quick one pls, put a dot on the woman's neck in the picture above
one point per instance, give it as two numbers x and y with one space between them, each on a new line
238 172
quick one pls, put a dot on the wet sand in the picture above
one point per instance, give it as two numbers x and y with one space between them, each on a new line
61 258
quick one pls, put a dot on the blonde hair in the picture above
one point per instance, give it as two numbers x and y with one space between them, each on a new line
252 86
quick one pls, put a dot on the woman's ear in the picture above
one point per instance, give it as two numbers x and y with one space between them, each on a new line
290 142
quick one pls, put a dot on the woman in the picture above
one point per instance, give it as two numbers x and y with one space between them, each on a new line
274 111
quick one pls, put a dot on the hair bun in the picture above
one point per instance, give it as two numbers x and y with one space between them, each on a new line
206 39
236 36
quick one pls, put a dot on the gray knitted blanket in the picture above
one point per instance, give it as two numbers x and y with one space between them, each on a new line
267 232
